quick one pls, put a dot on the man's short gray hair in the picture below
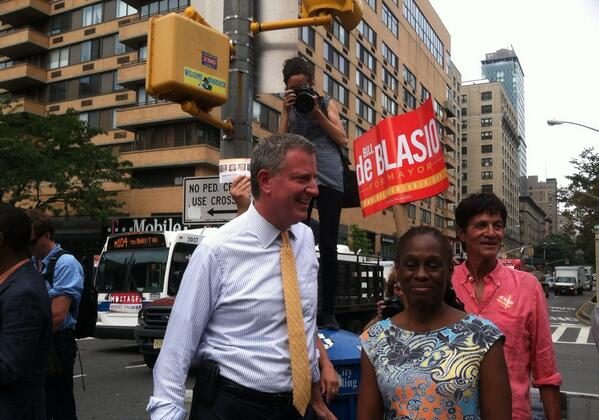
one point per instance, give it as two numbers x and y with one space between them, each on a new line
270 152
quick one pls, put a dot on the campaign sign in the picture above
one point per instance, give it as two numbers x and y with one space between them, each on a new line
400 160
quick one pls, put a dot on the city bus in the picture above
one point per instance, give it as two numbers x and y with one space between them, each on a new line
136 269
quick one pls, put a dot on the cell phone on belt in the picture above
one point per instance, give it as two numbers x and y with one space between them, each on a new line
207 373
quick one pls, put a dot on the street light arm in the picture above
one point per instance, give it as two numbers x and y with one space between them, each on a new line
558 122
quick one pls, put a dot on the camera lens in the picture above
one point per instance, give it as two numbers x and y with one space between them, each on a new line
304 102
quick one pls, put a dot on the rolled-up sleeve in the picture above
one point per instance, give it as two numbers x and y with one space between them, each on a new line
68 278
543 360
193 307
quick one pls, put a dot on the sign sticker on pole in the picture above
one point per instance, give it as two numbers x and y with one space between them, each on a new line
206 201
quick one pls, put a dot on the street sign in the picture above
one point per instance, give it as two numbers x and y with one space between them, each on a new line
206 201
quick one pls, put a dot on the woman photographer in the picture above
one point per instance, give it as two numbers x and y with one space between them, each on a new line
431 360
317 119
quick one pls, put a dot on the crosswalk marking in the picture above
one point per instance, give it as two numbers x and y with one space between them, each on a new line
557 333
563 319
583 336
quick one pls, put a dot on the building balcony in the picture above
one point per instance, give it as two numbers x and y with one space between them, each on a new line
449 140
22 43
132 74
23 12
449 124
142 116
133 32
135 3
188 155
450 161
450 109
21 76
23 104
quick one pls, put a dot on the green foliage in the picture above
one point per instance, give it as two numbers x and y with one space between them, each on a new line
581 198
359 241
50 162
557 249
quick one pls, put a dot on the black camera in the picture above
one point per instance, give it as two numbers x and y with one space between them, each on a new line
304 99
393 306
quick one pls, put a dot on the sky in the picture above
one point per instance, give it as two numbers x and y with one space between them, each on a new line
557 44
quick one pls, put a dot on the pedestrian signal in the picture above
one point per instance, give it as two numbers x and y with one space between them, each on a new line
187 61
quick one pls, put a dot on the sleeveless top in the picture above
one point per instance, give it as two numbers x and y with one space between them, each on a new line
432 375
328 161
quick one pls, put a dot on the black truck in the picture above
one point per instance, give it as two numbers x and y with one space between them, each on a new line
361 283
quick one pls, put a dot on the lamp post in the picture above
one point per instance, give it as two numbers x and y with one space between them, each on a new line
558 122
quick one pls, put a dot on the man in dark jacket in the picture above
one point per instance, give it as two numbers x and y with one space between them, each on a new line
25 322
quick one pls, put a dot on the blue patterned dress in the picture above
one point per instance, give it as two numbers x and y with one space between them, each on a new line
432 375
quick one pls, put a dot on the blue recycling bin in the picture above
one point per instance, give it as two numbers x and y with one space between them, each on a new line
343 348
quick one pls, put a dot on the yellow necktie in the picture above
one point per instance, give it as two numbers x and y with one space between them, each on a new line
298 350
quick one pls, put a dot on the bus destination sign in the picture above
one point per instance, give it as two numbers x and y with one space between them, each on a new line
140 240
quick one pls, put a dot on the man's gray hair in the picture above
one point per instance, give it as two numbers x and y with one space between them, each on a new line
270 152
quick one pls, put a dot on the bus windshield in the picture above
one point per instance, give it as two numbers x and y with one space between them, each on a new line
139 270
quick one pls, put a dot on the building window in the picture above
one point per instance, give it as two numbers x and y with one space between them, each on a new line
307 36
92 15
486 135
409 78
90 50
59 57
424 93
161 6
486 96
390 56
57 91
390 21
364 111
60 23
267 117
335 89
365 57
123 9
372 4
486 122
464 164
486 148
389 80
89 85
389 104
486 162
411 209
464 189
367 32
487 188
464 176
340 33
409 99
464 99
425 216
336 59
464 124
486 175
464 112
439 221
424 30
486 109
365 84
464 150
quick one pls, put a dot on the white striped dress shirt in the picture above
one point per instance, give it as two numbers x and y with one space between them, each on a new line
230 309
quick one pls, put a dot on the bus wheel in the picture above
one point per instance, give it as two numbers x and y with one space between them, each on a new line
150 360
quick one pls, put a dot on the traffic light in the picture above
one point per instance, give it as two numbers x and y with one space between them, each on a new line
187 61
349 12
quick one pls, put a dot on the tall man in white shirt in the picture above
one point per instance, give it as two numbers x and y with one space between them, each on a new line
231 308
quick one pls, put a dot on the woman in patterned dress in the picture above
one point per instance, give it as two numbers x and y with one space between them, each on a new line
431 361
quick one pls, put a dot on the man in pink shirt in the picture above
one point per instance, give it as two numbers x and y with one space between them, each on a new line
513 300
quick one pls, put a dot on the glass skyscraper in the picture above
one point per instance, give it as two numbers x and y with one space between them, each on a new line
503 66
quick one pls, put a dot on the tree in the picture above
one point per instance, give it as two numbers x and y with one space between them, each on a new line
358 241
50 163
581 198
556 249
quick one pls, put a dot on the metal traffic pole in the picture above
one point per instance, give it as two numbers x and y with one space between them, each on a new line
237 17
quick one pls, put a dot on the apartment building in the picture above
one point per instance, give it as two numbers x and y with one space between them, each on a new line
544 193
533 222
91 55
490 149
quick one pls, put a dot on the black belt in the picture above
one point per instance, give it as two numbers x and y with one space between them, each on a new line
276 399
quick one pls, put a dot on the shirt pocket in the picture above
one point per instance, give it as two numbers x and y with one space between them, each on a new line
308 285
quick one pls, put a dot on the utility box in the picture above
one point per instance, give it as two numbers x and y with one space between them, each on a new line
187 60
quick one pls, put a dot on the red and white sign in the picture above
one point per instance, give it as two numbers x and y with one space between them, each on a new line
125 302
400 160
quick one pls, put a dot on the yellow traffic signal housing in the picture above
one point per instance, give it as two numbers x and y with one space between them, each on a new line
349 12
187 61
